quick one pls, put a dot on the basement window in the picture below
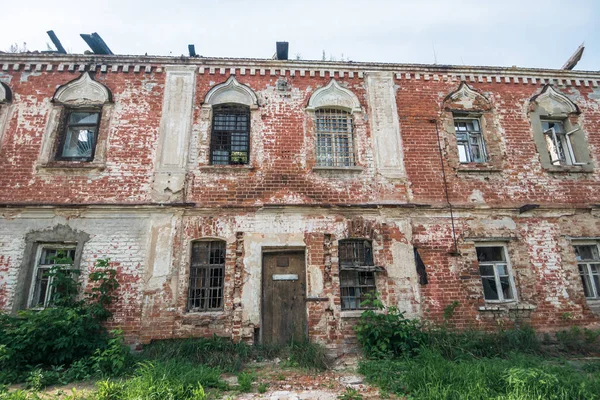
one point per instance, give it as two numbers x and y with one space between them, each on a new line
357 272
334 140
496 277
471 147
78 138
230 137
49 257
207 276
588 262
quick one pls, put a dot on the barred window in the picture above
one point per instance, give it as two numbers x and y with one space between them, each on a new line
335 145
469 138
588 262
357 276
207 275
230 138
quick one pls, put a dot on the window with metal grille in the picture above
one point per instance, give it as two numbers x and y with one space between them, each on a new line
558 142
49 257
356 278
207 275
77 141
471 147
335 142
230 138
495 273
588 262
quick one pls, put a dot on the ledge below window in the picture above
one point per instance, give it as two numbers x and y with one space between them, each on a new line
354 169
227 168
570 169
478 169
200 318
507 307
71 166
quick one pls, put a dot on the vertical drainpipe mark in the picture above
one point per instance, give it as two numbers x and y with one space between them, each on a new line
437 131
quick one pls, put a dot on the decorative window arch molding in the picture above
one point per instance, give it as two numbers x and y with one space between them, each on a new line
468 98
83 91
231 92
334 96
554 102
5 93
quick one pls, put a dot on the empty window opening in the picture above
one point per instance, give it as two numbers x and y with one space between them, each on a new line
588 262
469 137
230 138
495 273
207 275
335 145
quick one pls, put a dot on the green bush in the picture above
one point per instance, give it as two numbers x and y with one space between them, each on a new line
577 340
65 332
387 334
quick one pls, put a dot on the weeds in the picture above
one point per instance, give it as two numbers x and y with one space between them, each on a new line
245 382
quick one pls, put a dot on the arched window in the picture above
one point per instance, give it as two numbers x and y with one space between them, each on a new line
231 104
334 138
357 272
230 136
333 107
207 276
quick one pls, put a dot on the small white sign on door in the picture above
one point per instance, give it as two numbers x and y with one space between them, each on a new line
285 277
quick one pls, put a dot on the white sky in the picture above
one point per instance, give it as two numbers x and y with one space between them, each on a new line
526 33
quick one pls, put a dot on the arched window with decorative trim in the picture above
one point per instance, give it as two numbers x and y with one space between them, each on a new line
207 276
333 107
231 104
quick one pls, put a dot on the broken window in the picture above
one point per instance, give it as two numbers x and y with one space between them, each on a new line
558 142
588 262
49 258
334 139
207 275
495 273
357 272
471 147
78 139
230 138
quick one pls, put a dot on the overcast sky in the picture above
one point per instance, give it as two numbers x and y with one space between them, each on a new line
526 33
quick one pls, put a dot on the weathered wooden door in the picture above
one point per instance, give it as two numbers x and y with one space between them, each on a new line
283 297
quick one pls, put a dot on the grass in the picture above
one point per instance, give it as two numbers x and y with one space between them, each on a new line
517 377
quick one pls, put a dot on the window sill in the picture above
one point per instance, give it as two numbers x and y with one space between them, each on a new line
200 317
352 313
507 307
74 166
227 168
478 168
354 169
570 169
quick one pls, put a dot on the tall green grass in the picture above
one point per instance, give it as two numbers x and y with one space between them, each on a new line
518 377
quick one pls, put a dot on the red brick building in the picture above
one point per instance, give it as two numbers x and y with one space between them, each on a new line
262 199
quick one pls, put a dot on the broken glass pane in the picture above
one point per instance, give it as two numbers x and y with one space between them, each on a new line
490 292
492 253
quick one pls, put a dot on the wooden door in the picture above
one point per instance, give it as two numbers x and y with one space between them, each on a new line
283 297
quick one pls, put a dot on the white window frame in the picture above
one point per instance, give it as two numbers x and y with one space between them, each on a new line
509 269
595 289
564 139
478 136
37 267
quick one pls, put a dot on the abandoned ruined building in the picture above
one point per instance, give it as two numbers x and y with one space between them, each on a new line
263 199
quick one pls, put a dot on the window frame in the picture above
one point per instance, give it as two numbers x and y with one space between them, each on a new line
595 288
337 161
509 269
204 288
216 110
354 268
562 138
34 277
64 128
459 117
